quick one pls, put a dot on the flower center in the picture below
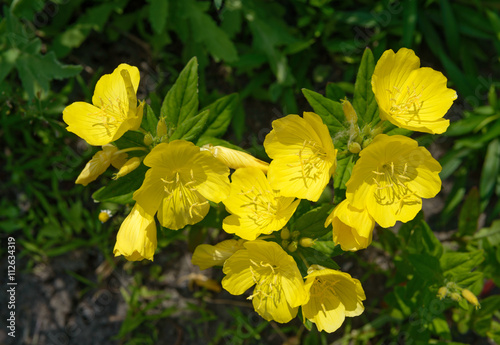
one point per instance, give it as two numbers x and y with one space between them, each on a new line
262 205
180 187
112 113
392 184
312 159
405 104
265 276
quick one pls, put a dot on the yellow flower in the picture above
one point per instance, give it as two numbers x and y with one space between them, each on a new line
303 156
114 110
256 208
99 163
333 296
279 287
352 228
206 255
181 181
411 96
136 239
235 159
391 177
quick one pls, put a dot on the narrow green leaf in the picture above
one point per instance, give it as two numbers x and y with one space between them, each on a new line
192 128
490 172
330 111
450 28
410 15
314 256
181 101
455 263
221 113
469 215
364 100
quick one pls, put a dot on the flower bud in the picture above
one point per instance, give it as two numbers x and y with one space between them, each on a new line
455 296
148 139
471 298
235 159
293 246
128 167
442 292
285 234
295 234
161 128
354 147
306 242
349 112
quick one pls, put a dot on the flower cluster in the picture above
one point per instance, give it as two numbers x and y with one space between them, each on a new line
181 181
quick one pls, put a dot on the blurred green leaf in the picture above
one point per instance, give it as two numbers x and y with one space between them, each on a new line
469 215
490 172
158 13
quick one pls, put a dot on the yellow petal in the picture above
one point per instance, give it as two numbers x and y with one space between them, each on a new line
206 255
136 239
97 165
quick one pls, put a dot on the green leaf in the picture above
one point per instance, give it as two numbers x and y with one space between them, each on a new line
130 139
312 224
120 190
314 256
158 13
423 240
451 32
330 111
455 263
426 267
206 31
192 128
491 169
343 172
410 15
469 215
364 99
334 92
37 71
221 113
151 120
181 101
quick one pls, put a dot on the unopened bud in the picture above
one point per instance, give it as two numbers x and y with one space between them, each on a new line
148 139
455 296
349 112
306 242
293 246
442 292
104 216
471 298
161 128
354 147
295 234
128 167
285 243
285 234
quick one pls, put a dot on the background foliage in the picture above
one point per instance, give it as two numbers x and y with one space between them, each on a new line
53 52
